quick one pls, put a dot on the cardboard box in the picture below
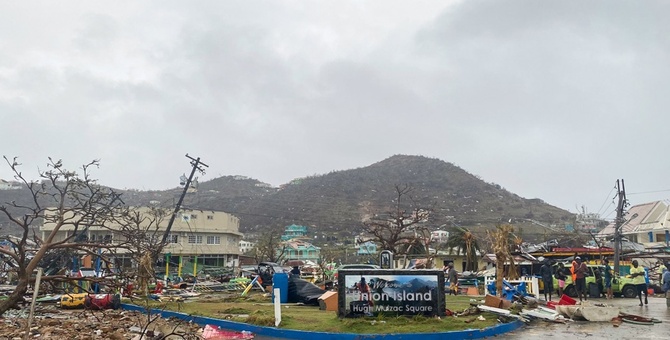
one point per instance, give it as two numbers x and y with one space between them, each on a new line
506 304
493 301
328 301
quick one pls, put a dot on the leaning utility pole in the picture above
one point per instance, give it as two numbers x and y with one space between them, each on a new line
196 163
618 223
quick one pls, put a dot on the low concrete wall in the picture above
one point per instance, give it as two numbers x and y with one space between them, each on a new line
294 334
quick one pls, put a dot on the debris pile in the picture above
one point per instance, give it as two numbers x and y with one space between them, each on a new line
51 322
565 310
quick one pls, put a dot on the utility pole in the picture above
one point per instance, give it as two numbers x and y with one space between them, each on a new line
196 164
618 223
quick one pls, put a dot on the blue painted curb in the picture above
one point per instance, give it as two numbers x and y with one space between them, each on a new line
294 334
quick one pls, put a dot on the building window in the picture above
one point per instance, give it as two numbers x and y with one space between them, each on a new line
194 216
194 238
107 238
210 217
213 239
174 238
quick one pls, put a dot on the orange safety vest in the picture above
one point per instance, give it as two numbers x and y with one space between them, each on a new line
572 271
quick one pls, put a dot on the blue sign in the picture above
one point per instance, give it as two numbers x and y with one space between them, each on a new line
390 292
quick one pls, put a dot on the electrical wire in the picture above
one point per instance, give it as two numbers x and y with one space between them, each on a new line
600 211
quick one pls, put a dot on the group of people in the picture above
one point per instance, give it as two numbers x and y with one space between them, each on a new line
579 271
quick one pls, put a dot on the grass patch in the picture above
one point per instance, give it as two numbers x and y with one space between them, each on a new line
260 311
236 310
261 318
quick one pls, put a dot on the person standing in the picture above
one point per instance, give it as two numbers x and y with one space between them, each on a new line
599 282
660 270
637 273
607 279
561 276
665 280
580 275
574 268
445 269
453 279
547 279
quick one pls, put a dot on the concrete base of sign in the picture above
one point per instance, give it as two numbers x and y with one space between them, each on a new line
293 334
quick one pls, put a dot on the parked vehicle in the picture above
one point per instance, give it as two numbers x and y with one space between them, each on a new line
266 270
620 285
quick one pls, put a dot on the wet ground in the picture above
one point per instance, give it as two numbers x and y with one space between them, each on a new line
603 330
573 330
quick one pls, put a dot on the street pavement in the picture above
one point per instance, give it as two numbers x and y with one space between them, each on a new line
603 330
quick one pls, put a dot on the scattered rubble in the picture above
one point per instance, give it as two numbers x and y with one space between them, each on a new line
567 309
54 323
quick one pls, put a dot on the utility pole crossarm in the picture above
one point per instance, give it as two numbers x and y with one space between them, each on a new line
196 165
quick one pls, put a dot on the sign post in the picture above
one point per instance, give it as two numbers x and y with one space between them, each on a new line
386 259
277 305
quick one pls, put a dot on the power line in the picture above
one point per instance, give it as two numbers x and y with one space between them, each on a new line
606 198
648 192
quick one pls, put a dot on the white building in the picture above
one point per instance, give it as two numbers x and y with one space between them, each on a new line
212 237
246 246
4 185
439 236
647 223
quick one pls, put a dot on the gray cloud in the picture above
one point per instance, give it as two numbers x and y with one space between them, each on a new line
554 100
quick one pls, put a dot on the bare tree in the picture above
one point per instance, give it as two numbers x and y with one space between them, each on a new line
326 263
402 224
66 201
140 234
270 247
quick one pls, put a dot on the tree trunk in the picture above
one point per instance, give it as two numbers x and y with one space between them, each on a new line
500 266
16 295
513 271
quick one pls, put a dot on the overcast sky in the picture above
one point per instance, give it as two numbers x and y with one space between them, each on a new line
552 100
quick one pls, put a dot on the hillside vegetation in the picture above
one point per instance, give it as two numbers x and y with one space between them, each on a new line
335 203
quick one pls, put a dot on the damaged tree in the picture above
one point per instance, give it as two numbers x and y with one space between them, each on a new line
270 247
401 229
65 200
140 229
463 241
500 243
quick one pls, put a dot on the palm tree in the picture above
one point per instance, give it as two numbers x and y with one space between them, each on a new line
464 242
500 239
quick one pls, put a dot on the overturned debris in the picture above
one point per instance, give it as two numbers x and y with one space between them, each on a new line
637 319
588 312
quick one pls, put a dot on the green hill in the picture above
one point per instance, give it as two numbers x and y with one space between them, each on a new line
334 204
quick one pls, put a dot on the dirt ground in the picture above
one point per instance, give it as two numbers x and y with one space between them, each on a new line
603 330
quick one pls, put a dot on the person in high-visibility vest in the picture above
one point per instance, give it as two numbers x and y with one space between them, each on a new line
573 268
637 273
